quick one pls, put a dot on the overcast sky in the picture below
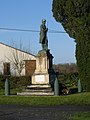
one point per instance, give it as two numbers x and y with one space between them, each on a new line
28 14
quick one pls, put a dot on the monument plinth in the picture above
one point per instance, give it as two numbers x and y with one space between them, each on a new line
43 66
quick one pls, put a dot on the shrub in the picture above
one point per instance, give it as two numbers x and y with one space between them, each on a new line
15 82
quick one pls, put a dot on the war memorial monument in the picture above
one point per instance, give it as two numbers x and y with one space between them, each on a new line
43 76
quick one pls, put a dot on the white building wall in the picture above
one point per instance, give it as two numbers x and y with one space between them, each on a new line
7 54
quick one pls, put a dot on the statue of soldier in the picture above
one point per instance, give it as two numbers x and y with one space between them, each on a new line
43 35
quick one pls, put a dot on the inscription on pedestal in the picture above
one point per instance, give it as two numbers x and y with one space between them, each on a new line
39 78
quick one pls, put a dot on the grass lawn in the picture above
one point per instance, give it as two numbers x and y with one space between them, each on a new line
78 99
81 116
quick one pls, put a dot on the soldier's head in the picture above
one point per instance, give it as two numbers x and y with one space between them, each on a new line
43 21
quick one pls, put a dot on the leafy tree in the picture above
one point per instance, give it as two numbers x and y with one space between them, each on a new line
67 73
74 15
66 68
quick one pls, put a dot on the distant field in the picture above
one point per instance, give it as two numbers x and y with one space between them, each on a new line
79 99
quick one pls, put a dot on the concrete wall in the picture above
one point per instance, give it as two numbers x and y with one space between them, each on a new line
9 54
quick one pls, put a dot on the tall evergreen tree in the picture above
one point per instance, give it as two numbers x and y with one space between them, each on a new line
74 15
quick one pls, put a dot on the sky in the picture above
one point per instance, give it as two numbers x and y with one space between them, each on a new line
28 15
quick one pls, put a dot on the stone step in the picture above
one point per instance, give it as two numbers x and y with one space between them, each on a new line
39 86
36 93
38 90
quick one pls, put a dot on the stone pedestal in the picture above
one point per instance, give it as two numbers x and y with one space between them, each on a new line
43 68
42 77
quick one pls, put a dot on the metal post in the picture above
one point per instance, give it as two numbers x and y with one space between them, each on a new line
7 87
56 87
79 86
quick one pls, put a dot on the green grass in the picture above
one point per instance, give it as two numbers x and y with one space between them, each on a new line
12 92
78 99
81 116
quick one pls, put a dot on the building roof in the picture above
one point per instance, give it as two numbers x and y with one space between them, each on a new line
17 49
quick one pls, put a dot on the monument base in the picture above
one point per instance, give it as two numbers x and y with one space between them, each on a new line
38 90
40 79
43 77
44 70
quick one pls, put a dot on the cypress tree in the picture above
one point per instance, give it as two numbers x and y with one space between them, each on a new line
74 15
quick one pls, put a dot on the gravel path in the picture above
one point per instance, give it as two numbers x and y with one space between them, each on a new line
22 112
